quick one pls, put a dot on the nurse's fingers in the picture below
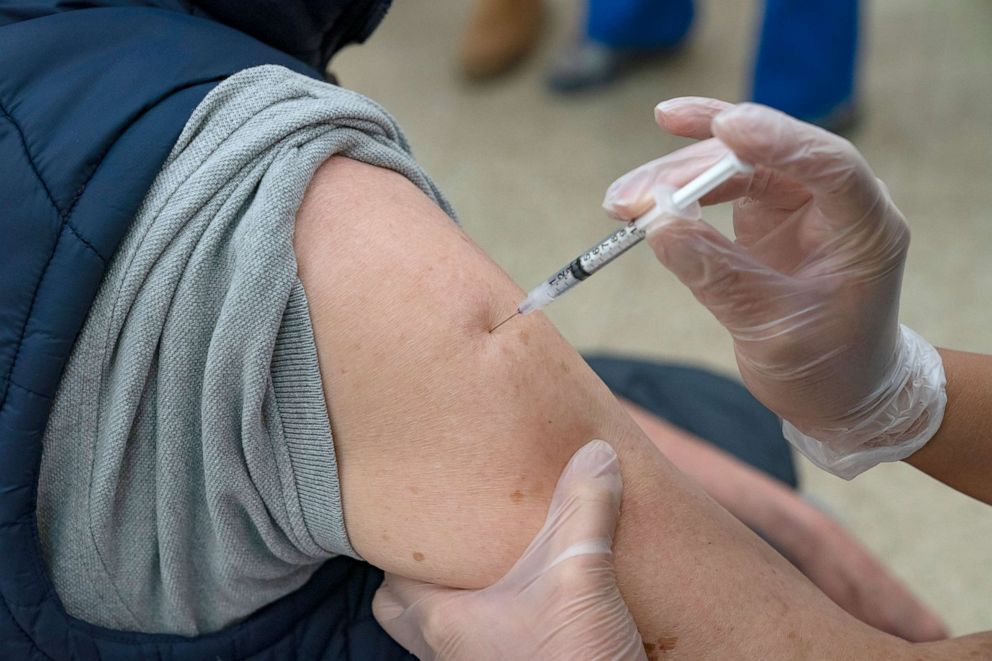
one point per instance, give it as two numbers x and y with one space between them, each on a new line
689 116
844 186
413 613
785 168
582 516
792 159
737 289
631 195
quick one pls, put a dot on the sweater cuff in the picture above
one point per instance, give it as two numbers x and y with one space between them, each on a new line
299 396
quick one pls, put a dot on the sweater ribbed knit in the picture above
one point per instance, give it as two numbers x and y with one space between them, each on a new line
189 475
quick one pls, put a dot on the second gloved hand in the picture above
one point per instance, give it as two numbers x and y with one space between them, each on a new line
559 601
810 288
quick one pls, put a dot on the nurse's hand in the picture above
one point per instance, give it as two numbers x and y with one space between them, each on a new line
559 601
809 290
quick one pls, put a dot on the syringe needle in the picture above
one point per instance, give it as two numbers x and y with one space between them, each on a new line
504 321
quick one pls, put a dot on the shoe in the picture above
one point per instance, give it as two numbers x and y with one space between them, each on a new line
586 65
500 34
841 120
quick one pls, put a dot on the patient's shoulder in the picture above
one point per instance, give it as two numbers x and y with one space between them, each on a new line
371 233
441 429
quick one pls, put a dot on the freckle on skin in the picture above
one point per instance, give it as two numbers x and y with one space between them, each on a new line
517 496
418 556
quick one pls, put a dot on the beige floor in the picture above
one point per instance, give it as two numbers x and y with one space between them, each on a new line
526 172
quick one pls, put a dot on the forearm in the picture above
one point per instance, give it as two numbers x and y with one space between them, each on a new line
960 454
754 498
817 545
691 572
975 646
785 520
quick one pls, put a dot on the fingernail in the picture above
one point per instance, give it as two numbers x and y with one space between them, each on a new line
598 453
627 204
720 119
616 203
598 445
611 191
615 199
598 459
665 106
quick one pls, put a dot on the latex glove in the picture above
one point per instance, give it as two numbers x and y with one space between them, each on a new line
810 288
559 601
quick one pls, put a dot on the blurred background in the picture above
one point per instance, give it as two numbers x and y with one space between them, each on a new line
526 170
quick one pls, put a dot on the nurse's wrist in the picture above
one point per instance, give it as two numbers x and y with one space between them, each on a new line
906 413
960 454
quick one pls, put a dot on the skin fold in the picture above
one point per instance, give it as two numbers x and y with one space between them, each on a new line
450 439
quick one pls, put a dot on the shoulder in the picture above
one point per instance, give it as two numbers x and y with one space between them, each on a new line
436 422
365 234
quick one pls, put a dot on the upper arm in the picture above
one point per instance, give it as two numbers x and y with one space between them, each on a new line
443 431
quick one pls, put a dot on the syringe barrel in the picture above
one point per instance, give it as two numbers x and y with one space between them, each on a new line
583 266
608 249
630 234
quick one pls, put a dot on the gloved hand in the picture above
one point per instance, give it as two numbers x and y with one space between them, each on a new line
810 288
559 601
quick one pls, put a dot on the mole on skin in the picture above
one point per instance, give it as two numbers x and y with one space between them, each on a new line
517 496
667 644
654 651
418 556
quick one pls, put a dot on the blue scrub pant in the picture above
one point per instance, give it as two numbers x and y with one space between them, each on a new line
714 408
807 55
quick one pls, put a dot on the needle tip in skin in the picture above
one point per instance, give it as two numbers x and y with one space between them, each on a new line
503 322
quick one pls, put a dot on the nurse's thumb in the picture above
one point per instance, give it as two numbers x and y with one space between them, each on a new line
720 274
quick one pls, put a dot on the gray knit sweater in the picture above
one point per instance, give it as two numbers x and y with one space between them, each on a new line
188 475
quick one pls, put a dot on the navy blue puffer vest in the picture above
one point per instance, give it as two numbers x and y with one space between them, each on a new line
93 94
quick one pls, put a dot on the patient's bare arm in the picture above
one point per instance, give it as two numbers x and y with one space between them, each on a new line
817 545
450 439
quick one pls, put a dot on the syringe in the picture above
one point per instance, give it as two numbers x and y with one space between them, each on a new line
625 238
